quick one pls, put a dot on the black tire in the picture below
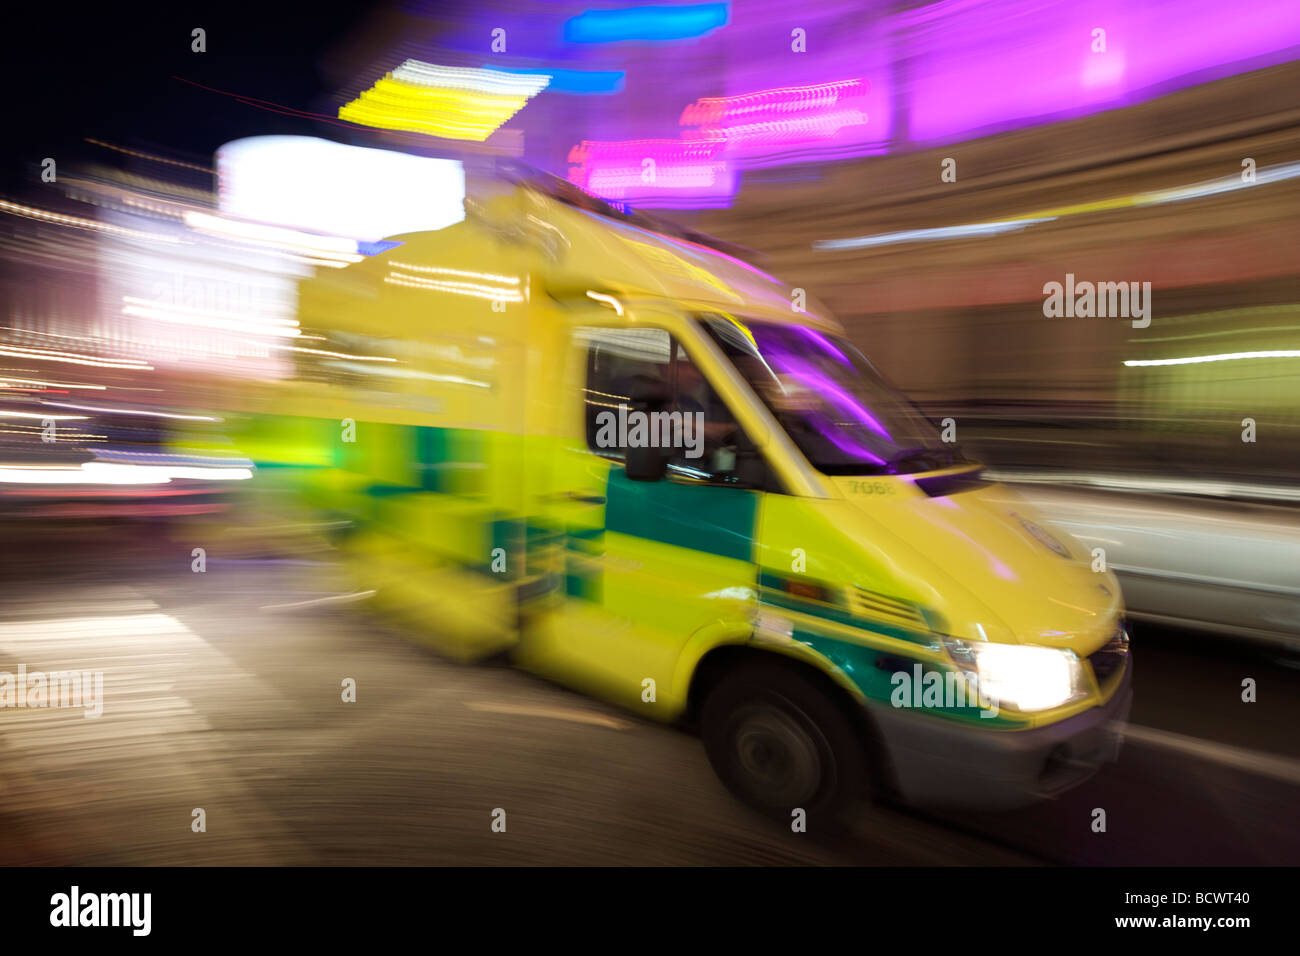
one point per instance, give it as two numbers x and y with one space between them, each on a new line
779 740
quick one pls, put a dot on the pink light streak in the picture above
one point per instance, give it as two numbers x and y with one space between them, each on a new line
788 115
717 130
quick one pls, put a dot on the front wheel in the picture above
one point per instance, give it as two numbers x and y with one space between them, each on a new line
780 742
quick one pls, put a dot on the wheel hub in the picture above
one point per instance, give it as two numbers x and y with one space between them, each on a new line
778 757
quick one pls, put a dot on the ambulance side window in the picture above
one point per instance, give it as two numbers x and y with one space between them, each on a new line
712 434
642 387
625 369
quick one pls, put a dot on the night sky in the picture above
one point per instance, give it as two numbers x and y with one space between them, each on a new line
105 72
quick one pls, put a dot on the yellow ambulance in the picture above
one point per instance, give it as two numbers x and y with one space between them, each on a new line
644 468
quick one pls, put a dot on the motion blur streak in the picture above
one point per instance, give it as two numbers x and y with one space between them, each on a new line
1223 357
443 101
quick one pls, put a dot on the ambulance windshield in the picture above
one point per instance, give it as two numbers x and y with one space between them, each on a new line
833 403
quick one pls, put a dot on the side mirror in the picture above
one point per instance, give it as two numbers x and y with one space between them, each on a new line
646 464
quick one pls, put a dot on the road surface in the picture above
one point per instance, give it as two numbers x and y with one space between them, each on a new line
223 693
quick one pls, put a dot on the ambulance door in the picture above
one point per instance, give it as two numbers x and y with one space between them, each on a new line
650 562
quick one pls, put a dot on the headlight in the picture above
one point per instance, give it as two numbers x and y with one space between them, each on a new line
1023 677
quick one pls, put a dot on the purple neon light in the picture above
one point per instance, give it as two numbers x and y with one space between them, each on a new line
665 150
808 375
639 170
794 132
986 67
948 71
785 116
719 130
765 105
823 342
826 428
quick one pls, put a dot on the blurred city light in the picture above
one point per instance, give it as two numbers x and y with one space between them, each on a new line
448 102
646 23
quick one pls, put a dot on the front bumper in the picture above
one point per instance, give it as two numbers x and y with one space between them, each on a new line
940 763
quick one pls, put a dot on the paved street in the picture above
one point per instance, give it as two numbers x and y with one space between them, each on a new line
222 691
